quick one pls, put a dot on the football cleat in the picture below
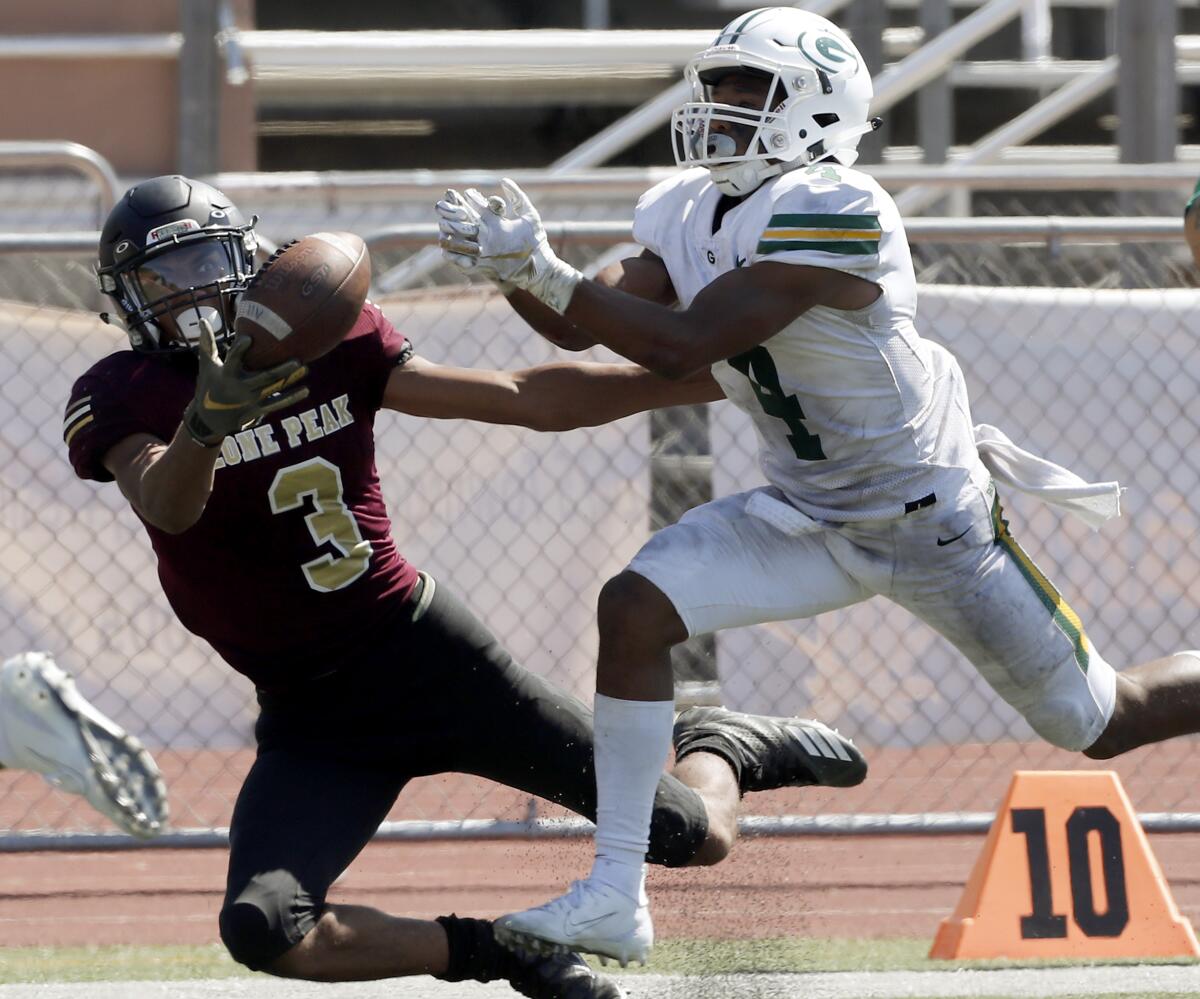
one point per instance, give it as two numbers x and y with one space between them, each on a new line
559 976
590 917
766 753
53 730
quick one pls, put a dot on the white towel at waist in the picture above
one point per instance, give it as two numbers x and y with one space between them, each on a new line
1091 502
781 515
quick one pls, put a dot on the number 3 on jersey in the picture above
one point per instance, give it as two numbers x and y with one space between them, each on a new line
331 522
759 367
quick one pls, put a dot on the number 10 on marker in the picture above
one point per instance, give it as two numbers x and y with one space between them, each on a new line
1043 922
1015 903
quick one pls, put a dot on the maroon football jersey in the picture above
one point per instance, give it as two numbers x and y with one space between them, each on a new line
291 569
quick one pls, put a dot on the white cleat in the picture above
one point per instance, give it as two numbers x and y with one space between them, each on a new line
590 917
51 729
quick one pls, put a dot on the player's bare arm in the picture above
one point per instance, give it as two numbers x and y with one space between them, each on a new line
167 484
502 238
644 276
550 397
739 310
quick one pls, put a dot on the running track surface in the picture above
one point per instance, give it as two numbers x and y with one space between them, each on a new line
814 886
838 886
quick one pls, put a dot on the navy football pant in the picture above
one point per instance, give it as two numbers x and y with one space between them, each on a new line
440 695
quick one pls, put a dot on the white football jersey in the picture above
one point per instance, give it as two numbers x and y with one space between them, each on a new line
858 417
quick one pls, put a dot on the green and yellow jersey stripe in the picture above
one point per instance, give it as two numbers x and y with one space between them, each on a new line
845 234
1064 615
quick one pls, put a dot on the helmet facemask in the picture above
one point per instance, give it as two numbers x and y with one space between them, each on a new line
164 291
763 134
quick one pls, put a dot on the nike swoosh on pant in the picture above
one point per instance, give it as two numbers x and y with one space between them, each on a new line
947 541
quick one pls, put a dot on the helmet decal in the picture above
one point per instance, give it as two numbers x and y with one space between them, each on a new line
732 32
172 229
827 53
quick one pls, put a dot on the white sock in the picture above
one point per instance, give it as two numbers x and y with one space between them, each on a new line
633 740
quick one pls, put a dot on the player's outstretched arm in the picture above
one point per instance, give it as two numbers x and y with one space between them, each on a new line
517 251
550 397
739 310
644 277
502 238
547 323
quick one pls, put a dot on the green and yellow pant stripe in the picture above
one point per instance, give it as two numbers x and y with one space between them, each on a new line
1065 617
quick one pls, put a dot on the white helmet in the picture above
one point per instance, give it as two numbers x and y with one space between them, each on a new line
817 103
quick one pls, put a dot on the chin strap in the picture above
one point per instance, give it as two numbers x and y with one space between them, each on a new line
741 179
835 145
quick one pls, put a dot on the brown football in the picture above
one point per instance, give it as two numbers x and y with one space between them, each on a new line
304 299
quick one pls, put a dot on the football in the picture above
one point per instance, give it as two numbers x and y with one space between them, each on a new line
304 299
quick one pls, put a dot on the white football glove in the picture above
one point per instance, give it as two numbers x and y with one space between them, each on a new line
458 228
503 240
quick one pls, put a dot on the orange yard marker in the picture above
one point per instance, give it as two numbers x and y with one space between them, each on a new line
1066 871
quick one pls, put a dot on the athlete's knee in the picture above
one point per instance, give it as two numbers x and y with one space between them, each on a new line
717 845
678 826
246 934
619 599
266 919
630 605
1067 724
1123 731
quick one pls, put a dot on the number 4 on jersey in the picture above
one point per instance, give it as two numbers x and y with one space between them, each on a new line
759 367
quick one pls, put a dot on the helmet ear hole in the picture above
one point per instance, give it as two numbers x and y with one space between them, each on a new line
777 96
826 119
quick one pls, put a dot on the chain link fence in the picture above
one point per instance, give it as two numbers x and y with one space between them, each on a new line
1085 353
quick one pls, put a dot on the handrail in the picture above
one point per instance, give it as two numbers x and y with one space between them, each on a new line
993 229
49 242
453 51
630 182
66 156
1013 74
932 59
408 830
996 229
139 46
1025 126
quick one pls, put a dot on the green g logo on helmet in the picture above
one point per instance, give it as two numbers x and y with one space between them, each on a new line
828 53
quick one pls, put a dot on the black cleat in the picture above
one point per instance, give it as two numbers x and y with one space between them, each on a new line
559 976
767 753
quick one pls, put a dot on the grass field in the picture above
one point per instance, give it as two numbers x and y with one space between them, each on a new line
671 957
